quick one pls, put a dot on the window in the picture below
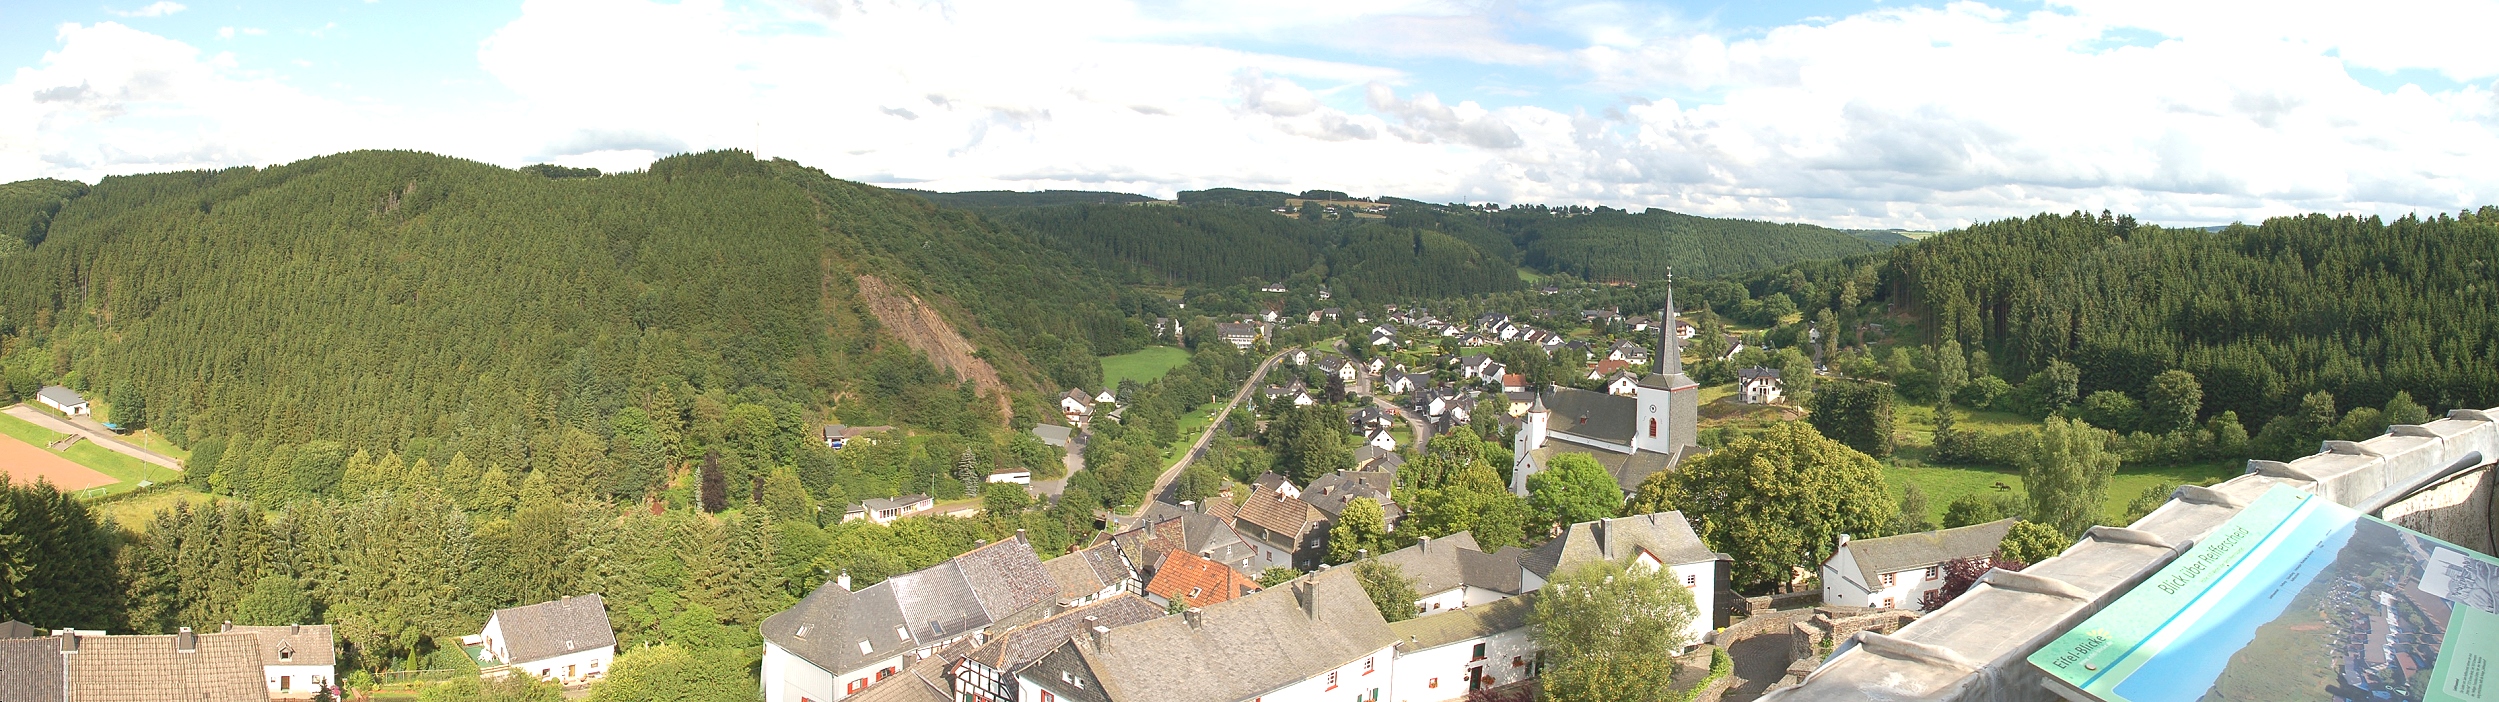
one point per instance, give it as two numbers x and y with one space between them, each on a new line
1432 683
1366 666
1047 697
286 682
855 686
545 672
1934 571
1690 580
1887 579
902 633
1887 603
1479 651
1516 661
568 671
889 671
1331 680
1071 679
1193 592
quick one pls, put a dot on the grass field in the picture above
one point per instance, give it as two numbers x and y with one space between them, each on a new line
1942 484
135 512
121 467
1190 425
1144 366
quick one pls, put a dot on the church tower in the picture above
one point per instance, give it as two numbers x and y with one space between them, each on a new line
1531 436
1669 409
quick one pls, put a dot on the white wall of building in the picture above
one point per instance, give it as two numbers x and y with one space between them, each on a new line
297 680
570 668
1443 601
789 678
1439 673
1840 586
1350 681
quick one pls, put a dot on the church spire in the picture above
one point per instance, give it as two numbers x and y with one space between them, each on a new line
1669 353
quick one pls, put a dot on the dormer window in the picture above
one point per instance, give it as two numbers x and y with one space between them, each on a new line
865 649
902 633
1071 679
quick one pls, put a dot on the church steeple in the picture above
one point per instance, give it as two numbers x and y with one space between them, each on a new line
1669 352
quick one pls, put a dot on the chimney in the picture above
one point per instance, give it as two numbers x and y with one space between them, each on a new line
1020 538
1188 505
185 641
1597 529
1307 593
226 627
1194 616
1101 637
843 579
1423 544
69 640
294 628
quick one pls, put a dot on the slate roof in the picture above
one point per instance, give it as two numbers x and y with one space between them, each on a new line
218 668
310 644
1453 626
1000 582
1370 458
1330 493
1758 372
1628 469
1665 535
33 669
923 680
61 395
1243 648
1892 554
1030 642
554 628
884 503
1182 573
1595 415
1438 565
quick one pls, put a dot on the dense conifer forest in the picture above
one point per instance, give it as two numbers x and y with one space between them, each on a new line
1609 244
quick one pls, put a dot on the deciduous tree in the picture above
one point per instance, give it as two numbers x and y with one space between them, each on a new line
1780 499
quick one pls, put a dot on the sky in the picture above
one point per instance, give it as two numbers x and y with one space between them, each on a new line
1848 113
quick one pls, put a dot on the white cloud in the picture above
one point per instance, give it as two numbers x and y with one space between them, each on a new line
1896 117
158 9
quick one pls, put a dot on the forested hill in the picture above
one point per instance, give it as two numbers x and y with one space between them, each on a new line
376 298
2360 308
1011 198
1609 244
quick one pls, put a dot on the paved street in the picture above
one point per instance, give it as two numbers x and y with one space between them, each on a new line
1162 491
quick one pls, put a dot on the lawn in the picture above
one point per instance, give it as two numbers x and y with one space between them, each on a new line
135 512
1944 483
1144 365
1191 425
121 467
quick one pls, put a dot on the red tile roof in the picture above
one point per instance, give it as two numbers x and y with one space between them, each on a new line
1184 577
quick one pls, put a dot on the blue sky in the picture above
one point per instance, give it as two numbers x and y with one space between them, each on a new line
1843 112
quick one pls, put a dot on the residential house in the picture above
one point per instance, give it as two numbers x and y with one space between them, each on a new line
63 399
884 510
1515 404
1447 656
1107 395
1239 334
1627 352
1894 571
1267 315
1623 384
1685 331
1205 530
1077 406
1272 288
987 673
1330 493
1452 573
1757 386
1292 395
566 641
1315 639
1298 356
1607 368
1633 436
1287 531
1369 417
1341 367
1053 435
1513 382
1375 365
1194 581
1480 366
1270 481
1658 540
1431 402
89 666
296 660
836 643
837 436
1373 459
1012 474
1638 323
1168 328
1383 337
1404 383
1090 574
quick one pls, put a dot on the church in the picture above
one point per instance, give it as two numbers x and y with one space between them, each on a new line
1633 436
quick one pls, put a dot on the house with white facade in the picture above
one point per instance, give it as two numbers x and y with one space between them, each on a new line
836 643
566 641
987 672
1663 540
65 400
1240 334
1452 573
1446 656
1757 386
297 660
1894 571
884 510
1077 406
1382 439
1314 639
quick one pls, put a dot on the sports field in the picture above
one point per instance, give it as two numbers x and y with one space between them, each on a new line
26 463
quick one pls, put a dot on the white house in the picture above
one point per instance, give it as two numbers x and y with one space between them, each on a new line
1757 386
1446 656
1383 439
1314 639
836 643
884 510
68 401
1894 571
566 641
1016 475
1623 384
297 660
1239 334
1658 540
1451 573
1077 406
